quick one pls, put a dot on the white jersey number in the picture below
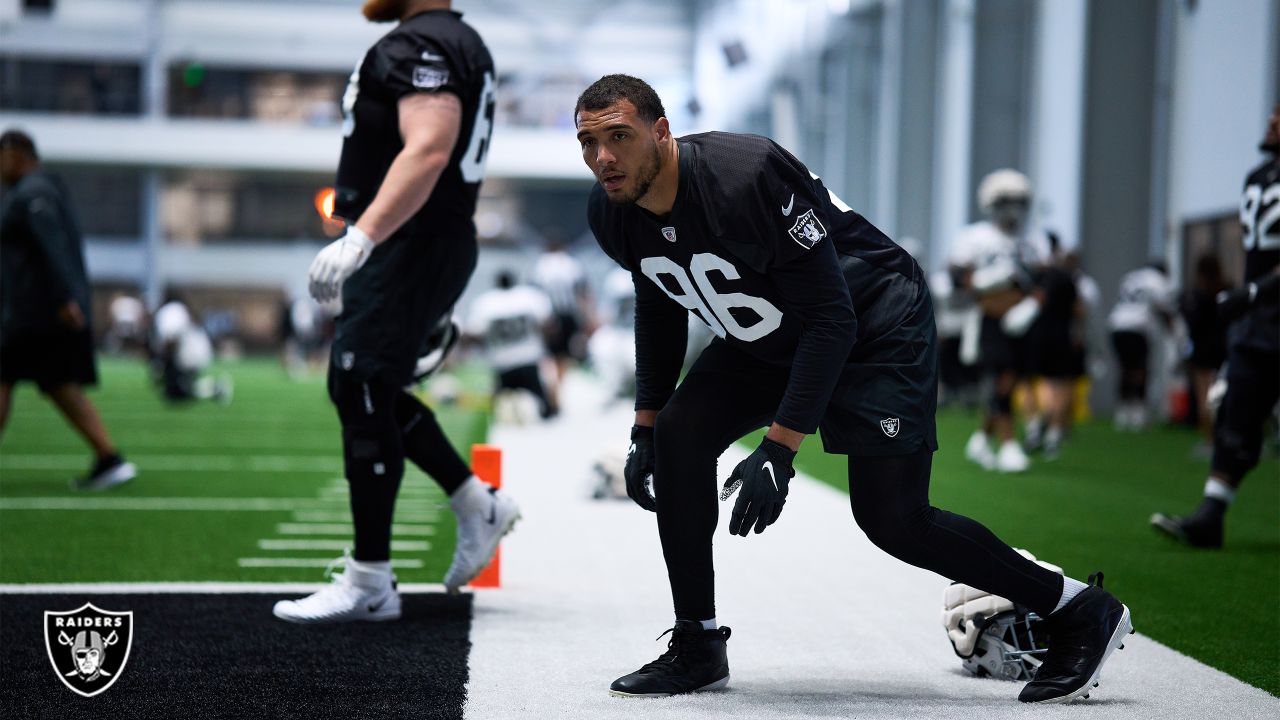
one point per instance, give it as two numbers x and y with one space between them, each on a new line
472 164
1261 229
715 310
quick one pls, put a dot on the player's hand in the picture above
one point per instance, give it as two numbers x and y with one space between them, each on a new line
336 262
763 477
1235 302
639 469
71 315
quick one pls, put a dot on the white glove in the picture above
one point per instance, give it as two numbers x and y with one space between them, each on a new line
336 262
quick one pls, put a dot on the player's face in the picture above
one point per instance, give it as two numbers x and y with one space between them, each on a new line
10 165
87 661
1272 140
621 150
384 10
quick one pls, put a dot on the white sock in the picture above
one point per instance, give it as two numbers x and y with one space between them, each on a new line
471 496
366 574
1218 490
1053 436
709 624
1070 589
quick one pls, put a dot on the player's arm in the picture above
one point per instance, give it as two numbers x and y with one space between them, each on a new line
662 335
45 223
429 126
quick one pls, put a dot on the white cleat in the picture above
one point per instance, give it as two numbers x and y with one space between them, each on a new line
486 516
357 594
1011 458
979 451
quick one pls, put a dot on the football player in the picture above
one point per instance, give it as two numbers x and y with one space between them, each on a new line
1253 354
820 321
510 320
418 114
1143 307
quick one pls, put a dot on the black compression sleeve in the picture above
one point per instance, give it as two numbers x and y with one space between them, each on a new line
814 289
662 333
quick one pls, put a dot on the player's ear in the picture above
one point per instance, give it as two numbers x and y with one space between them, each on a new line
661 130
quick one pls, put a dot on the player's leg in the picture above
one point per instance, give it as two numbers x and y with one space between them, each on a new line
484 514
725 395
890 501
6 405
109 467
1252 390
373 462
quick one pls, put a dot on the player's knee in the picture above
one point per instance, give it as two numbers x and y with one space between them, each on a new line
369 453
897 533
677 434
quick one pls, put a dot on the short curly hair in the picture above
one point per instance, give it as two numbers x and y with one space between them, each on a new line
612 88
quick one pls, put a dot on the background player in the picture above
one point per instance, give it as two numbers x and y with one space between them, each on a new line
44 305
820 320
1253 355
418 115
511 321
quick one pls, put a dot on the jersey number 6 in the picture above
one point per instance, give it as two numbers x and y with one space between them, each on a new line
713 308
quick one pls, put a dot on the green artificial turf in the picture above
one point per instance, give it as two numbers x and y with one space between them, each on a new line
1088 510
278 440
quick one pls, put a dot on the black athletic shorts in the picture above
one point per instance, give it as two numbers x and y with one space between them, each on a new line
997 352
1131 349
525 377
49 357
564 327
395 301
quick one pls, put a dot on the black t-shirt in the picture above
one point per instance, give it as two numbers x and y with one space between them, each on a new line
763 254
433 51
1260 218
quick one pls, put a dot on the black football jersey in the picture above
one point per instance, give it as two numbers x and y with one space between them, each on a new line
1260 223
763 254
433 51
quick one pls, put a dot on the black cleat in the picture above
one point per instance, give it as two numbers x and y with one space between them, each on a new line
1082 636
695 660
106 473
1193 531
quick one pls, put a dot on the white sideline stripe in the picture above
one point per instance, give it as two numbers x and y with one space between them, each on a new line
196 588
162 503
254 562
341 529
339 545
318 516
187 463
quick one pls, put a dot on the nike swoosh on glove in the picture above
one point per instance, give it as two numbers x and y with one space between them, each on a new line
639 469
336 262
763 478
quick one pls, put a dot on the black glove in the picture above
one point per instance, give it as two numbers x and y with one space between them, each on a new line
1235 302
639 469
763 477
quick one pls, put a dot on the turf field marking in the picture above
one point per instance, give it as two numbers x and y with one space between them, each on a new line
253 562
199 504
186 463
321 516
204 588
339 545
345 529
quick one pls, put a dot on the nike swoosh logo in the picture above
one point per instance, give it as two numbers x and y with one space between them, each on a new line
373 607
786 209
768 467
493 513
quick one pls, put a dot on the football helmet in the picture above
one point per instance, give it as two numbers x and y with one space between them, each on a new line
435 348
991 635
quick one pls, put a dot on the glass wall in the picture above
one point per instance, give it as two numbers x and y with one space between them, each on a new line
107 201
205 206
70 86
309 98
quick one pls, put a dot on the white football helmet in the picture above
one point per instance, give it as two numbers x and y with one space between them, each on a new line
992 636
1004 184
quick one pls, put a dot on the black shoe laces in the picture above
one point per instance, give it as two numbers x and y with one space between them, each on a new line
668 658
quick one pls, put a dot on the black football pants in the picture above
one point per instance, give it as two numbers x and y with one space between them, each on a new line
381 426
1252 388
728 394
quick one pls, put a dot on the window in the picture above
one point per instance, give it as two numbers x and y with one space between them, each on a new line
310 98
73 87
199 206
107 201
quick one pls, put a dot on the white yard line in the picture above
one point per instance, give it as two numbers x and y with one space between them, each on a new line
319 516
339 545
198 504
256 562
185 463
340 529
825 625
196 588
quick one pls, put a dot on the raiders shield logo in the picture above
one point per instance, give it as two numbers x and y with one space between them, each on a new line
890 426
88 647
669 233
808 230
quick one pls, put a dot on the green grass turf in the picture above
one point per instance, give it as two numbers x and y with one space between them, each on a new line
274 423
1089 510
